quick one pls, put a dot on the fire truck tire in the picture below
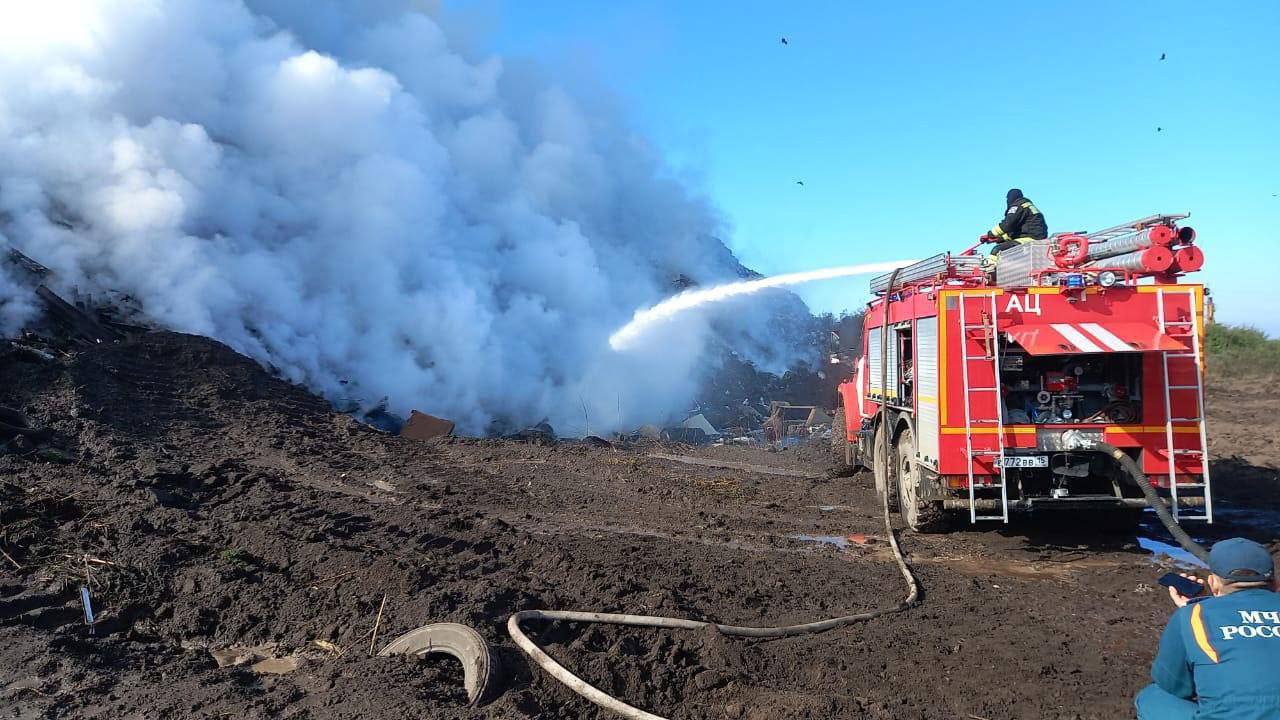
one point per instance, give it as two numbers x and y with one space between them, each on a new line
919 515
839 442
879 465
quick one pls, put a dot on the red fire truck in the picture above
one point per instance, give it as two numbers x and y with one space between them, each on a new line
993 384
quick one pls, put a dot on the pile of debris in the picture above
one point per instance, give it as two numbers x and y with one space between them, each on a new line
795 424
87 321
782 425
732 408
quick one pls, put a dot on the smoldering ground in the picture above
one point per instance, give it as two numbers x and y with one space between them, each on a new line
349 193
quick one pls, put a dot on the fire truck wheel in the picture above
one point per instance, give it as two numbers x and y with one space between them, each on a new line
878 466
919 515
839 441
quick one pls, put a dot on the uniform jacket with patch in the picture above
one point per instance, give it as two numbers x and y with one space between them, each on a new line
1224 653
1022 220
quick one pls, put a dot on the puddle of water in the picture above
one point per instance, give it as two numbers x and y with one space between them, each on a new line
1247 518
1174 552
838 541
1250 520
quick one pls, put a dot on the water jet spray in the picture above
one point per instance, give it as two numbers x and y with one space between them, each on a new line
644 320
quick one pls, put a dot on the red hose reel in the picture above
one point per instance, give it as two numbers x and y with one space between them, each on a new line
1070 250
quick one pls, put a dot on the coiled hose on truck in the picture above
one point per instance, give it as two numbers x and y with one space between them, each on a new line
1154 501
605 700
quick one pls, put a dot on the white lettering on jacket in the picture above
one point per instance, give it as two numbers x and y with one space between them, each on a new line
1256 625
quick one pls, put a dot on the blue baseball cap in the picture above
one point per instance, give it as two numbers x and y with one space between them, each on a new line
1241 560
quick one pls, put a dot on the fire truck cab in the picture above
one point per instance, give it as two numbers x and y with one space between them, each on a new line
992 388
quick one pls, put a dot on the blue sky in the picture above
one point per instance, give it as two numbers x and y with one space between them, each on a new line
908 122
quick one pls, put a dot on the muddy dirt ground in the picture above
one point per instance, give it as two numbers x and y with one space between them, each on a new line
221 517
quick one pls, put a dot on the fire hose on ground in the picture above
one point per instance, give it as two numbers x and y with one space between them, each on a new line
590 692
604 700
1154 501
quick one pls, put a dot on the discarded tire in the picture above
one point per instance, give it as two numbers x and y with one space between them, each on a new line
453 639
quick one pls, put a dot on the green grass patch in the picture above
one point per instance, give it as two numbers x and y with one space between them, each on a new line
237 558
1236 350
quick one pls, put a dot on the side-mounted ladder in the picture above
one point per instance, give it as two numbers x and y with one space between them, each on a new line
1184 365
990 335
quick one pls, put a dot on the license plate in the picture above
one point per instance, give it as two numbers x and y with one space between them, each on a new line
1023 461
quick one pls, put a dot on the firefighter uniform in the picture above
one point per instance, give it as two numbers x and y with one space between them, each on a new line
1022 223
1218 658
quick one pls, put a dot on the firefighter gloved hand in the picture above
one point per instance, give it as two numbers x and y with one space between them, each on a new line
987 237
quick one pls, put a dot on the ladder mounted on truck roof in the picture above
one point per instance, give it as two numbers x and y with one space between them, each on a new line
942 265
970 268
1129 228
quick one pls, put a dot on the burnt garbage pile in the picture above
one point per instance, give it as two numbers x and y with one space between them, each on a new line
84 319
740 399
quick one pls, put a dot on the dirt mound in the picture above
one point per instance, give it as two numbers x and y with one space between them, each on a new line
220 517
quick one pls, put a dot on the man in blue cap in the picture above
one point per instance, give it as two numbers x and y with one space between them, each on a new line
1220 654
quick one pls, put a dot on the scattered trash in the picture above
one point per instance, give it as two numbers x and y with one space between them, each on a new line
383 419
327 646
648 432
858 539
422 426
262 659
542 434
79 325
699 422
277 666
790 424
837 541
88 607
26 352
686 435
18 258
453 639
229 657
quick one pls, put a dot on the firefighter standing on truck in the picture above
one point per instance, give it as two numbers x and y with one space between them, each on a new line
1022 223
1219 654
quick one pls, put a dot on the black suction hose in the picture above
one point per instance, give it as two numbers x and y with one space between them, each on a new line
1155 501
884 393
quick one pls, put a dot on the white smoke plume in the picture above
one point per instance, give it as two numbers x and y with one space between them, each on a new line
342 190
